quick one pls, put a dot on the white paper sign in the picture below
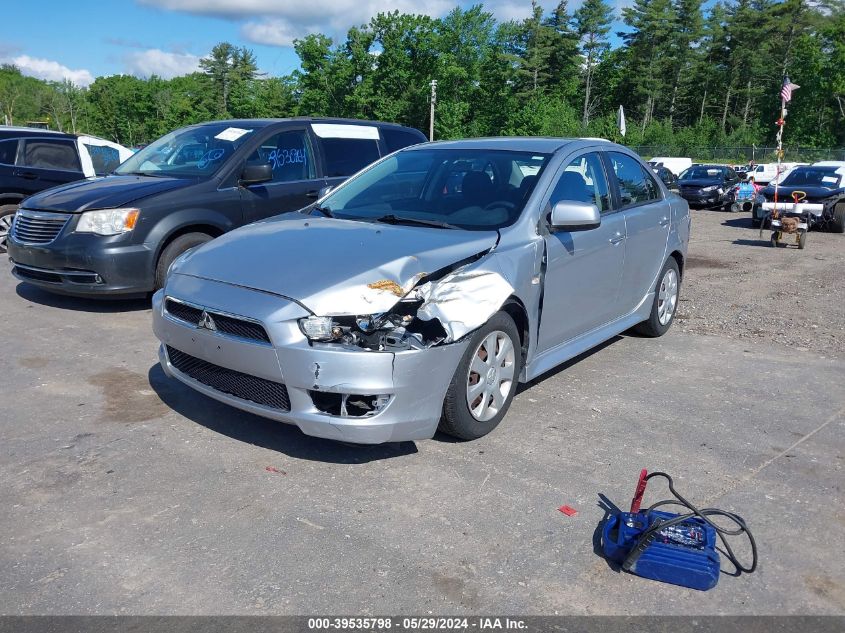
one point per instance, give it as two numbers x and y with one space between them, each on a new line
830 179
232 133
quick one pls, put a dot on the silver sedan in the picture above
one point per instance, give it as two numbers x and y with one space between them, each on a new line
419 293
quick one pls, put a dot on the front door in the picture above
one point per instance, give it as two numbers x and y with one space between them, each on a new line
583 268
294 184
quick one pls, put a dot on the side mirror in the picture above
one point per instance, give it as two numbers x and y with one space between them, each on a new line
255 173
569 215
324 191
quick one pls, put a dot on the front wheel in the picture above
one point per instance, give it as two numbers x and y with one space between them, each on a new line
665 301
838 223
173 250
7 214
485 380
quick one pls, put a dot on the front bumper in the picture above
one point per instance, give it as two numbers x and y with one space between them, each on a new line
414 380
84 265
703 199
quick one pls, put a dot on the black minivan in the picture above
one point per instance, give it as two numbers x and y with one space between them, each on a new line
118 235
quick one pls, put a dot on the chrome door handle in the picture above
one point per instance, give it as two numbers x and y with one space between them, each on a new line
664 221
617 239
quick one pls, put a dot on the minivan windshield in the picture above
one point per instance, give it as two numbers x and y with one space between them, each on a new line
809 177
191 152
471 189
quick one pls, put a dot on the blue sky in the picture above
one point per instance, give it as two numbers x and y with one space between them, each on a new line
83 39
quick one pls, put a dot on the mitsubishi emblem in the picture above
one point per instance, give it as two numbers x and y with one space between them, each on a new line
206 322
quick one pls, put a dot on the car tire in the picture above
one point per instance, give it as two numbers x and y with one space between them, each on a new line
470 412
665 304
7 212
837 225
173 250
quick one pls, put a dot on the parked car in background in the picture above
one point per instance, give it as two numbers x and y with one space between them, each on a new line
669 179
400 303
118 235
708 186
821 183
33 159
673 163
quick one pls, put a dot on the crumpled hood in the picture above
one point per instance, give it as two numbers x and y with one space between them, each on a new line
785 193
332 266
110 192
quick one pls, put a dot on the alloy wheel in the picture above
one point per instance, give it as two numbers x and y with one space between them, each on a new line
490 377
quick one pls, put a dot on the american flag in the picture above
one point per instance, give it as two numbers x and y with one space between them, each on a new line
786 90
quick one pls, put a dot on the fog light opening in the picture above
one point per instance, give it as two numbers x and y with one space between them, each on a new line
349 405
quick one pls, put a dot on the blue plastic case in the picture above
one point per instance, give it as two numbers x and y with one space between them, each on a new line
683 554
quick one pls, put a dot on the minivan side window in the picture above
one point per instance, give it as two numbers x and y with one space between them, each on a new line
397 138
42 153
8 151
103 158
583 180
633 181
289 154
345 156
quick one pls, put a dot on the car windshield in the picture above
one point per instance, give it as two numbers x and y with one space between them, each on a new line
470 189
813 178
699 173
192 152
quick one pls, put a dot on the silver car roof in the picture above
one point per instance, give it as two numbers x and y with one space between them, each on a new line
541 145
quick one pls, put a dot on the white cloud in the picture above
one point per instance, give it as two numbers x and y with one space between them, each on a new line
157 62
273 32
50 70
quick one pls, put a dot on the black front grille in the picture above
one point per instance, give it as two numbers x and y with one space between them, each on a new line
38 227
223 323
258 390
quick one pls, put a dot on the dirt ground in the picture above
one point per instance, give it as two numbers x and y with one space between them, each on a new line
736 285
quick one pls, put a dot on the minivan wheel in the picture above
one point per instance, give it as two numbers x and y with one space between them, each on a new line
173 250
665 301
485 380
7 214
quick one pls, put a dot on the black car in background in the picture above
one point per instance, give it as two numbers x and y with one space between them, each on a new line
669 179
118 235
34 159
820 184
707 186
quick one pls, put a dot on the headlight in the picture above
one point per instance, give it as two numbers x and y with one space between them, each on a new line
710 188
108 221
320 328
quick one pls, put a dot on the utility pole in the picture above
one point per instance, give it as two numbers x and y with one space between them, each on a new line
433 101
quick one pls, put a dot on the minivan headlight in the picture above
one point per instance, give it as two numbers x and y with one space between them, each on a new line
108 221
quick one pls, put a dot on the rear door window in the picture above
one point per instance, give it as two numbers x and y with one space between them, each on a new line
635 185
289 154
347 148
49 154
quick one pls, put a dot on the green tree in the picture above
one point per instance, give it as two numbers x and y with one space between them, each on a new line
592 22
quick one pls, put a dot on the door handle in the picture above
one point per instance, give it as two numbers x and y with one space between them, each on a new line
617 239
28 175
664 221
312 194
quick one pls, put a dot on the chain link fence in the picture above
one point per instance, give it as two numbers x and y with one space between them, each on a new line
742 155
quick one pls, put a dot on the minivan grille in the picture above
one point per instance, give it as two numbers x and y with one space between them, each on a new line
38 227
258 390
223 323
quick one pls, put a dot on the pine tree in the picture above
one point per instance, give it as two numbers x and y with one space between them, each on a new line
592 22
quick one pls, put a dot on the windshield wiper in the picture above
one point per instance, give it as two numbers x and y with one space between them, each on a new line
324 210
398 219
141 173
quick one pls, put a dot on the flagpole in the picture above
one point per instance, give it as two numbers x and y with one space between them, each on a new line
781 122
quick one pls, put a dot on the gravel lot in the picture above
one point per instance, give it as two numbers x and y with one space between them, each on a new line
124 492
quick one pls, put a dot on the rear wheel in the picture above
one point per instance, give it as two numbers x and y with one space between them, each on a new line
173 250
665 301
7 214
485 380
802 239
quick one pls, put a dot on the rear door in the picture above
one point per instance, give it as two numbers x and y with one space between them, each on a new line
42 163
295 183
346 149
647 216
